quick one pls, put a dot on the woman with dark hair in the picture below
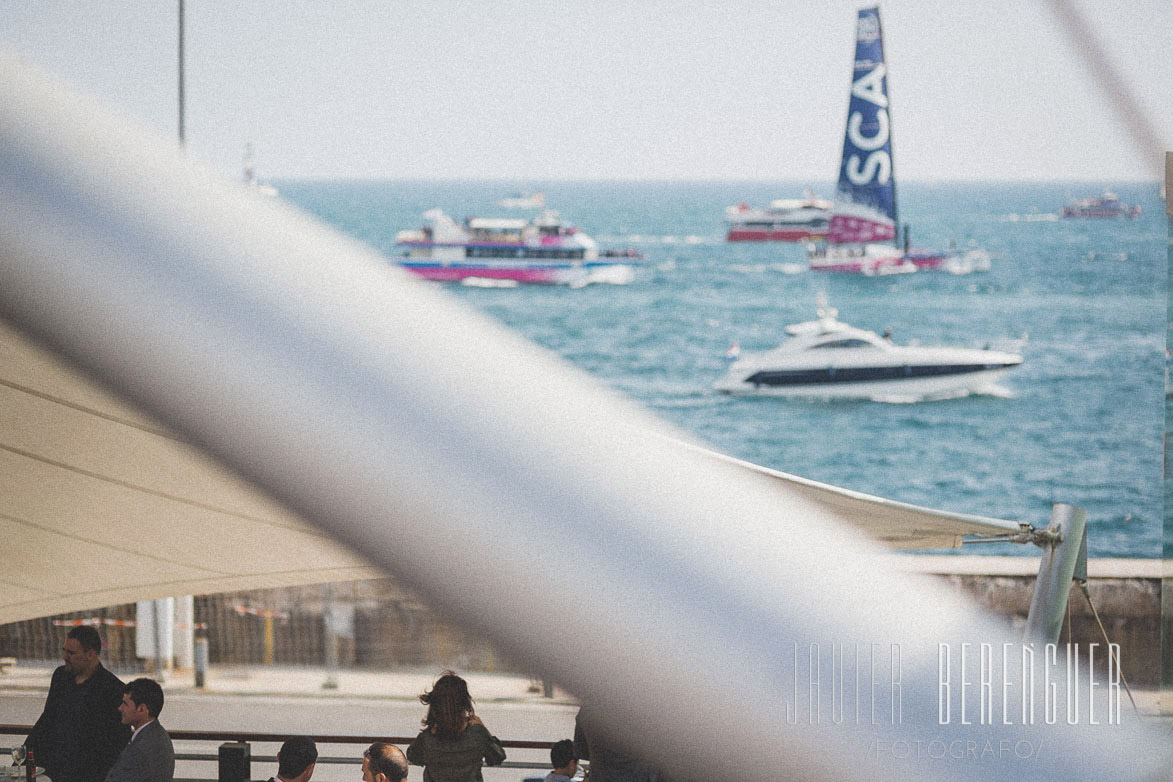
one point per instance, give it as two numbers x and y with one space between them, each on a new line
454 740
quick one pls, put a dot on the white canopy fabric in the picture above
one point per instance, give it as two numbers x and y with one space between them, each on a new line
101 505
125 510
897 525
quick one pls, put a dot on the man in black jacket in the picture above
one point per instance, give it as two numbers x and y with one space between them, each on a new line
80 732
608 764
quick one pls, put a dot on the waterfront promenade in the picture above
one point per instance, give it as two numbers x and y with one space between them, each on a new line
289 700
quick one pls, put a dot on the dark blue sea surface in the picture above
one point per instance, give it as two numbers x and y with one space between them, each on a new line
1084 419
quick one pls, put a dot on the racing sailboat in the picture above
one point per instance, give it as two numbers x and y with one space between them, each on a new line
862 236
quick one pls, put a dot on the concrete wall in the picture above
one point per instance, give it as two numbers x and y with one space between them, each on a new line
1125 592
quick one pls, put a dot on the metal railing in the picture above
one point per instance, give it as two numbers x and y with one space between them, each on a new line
248 737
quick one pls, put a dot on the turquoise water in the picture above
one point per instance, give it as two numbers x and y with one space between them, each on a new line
1082 423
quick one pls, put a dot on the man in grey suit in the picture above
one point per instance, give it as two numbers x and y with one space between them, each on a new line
149 756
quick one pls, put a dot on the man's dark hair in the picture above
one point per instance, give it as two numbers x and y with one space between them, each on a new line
87 637
562 753
295 757
386 759
146 692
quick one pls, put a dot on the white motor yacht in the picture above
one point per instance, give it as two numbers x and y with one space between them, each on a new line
828 359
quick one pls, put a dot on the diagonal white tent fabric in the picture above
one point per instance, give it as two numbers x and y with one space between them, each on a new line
301 362
89 479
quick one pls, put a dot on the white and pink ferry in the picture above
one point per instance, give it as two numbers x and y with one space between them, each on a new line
488 250
784 220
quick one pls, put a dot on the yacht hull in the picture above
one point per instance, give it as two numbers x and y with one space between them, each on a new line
788 233
895 263
581 274
894 382
828 359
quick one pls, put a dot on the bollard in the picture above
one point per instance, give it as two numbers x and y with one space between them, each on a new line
235 762
157 619
269 639
330 637
200 658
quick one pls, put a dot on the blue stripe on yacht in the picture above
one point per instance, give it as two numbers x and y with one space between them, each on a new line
802 377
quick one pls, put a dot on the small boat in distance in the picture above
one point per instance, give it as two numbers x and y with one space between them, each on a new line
1107 206
524 201
828 359
862 235
784 220
510 250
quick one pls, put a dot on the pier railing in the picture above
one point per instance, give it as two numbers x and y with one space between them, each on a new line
242 741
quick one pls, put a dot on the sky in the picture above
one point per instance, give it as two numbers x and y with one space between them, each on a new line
613 89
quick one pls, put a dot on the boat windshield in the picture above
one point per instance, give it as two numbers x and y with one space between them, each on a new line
842 343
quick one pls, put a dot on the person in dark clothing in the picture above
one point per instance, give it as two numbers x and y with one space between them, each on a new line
563 762
454 740
80 732
296 760
607 764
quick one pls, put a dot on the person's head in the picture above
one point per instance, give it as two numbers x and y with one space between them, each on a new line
142 700
562 758
449 705
383 763
81 649
296 759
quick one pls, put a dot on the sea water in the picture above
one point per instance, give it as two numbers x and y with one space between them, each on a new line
1080 422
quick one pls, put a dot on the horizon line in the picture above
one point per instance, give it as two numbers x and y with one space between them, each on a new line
697 180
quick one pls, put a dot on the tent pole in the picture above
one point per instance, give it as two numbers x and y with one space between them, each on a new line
1064 545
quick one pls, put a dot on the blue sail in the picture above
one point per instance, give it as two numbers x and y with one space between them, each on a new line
865 201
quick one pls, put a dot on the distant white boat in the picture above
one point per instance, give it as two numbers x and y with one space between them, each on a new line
1107 206
524 201
784 220
496 252
828 359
